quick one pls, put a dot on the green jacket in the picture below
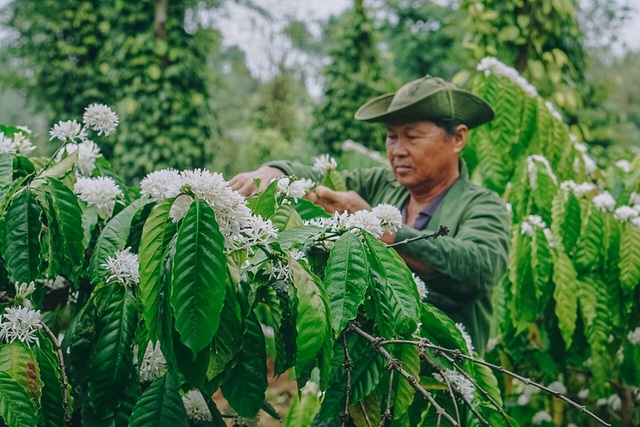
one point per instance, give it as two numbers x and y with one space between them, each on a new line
470 260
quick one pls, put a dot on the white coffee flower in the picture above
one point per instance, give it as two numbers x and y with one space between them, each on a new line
492 343
291 188
458 381
601 402
422 287
389 216
578 190
311 388
615 402
88 152
532 169
634 198
466 336
196 406
153 364
625 165
634 336
257 231
100 192
604 201
101 119
20 323
279 271
490 65
541 417
530 223
636 221
123 267
180 207
558 387
7 145
583 394
161 184
625 213
24 289
554 112
23 144
365 220
68 131
324 163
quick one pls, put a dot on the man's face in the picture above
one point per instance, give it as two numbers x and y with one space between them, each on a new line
423 154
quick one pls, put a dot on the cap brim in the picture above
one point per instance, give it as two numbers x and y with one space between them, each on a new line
468 109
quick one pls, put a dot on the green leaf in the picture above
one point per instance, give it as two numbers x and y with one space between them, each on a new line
345 280
113 238
286 217
525 307
264 203
440 328
227 340
111 361
487 381
199 277
541 265
22 229
565 295
630 257
309 210
62 168
409 357
396 286
6 169
297 237
334 181
247 383
16 407
89 221
301 412
160 405
52 410
565 220
68 215
312 320
156 233
587 253
19 361
281 317
367 412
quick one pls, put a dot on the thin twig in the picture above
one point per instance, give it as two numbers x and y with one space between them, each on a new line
347 392
365 415
412 380
65 382
442 231
386 415
459 355
446 381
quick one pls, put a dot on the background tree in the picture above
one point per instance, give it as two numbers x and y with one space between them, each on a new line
353 75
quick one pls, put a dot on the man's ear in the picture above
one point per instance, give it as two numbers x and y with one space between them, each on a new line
460 138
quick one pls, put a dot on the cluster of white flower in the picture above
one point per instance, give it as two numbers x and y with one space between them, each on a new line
527 226
100 192
101 119
68 131
238 225
466 336
20 323
625 213
525 392
196 406
604 201
350 145
153 363
324 163
19 144
532 169
422 287
590 165
458 381
625 165
381 219
123 267
541 417
554 112
24 289
558 387
613 401
294 188
634 336
389 216
279 271
490 65
578 190
634 199
88 152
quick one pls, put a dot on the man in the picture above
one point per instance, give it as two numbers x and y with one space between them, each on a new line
427 121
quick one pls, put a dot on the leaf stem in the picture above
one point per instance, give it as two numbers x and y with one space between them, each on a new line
442 231
65 382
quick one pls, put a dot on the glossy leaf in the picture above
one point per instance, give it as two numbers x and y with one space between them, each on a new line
396 285
630 257
16 407
68 215
247 383
156 234
264 203
409 357
565 295
309 210
160 405
113 238
199 277
286 217
302 410
312 319
19 361
6 169
345 280
111 361
52 410
22 229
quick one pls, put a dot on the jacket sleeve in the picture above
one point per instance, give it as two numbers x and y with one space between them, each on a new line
472 261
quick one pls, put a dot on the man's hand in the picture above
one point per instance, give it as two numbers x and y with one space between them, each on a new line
244 183
338 201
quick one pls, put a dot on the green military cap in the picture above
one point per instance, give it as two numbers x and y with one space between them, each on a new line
427 98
